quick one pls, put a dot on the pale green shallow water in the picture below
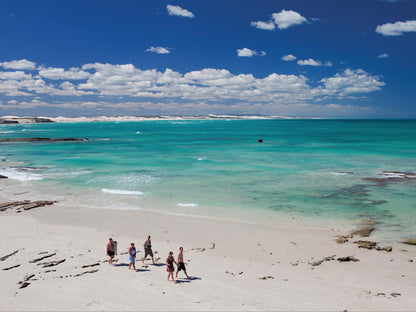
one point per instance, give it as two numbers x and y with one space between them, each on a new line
216 168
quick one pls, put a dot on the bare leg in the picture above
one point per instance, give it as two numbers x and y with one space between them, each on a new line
186 274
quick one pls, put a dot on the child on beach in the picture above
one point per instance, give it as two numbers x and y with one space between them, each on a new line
110 250
170 269
181 264
132 256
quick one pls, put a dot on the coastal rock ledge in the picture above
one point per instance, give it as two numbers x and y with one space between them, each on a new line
409 241
19 120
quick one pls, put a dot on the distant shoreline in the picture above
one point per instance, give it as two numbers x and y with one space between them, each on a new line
22 120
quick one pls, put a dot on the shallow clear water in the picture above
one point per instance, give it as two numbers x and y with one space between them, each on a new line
217 168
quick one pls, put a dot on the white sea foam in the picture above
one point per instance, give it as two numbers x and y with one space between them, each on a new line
138 132
57 173
201 158
341 173
397 175
126 180
188 205
16 174
121 192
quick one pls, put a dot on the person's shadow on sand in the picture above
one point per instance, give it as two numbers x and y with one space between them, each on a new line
142 270
187 280
121 264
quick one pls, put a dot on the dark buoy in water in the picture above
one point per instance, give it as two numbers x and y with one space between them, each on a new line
260 140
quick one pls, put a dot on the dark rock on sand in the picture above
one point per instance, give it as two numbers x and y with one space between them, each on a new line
41 140
41 258
24 285
316 263
342 239
3 177
9 255
86 272
90 265
387 248
409 241
25 204
12 267
52 263
366 244
365 231
347 259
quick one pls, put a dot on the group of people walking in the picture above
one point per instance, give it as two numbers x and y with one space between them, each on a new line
170 260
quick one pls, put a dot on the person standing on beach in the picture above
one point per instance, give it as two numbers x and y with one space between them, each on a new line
148 249
181 264
170 268
132 257
110 250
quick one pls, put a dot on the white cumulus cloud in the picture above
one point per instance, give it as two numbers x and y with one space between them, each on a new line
288 57
246 52
19 64
384 55
208 90
309 62
158 50
396 29
263 25
352 81
178 11
62 74
285 19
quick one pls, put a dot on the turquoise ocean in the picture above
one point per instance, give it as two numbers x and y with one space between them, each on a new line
324 171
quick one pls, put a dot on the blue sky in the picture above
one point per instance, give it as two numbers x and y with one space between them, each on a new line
339 58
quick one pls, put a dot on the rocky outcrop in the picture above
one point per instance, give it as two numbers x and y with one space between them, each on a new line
372 245
41 140
25 205
392 176
347 259
19 120
409 241
7 121
3 177
366 244
364 231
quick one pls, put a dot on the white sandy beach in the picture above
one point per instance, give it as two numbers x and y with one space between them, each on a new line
250 267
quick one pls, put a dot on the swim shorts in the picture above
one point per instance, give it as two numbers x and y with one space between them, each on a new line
181 266
110 253
148 251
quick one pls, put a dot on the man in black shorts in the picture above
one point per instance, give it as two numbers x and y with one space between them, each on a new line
110 250
148 249
181 264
